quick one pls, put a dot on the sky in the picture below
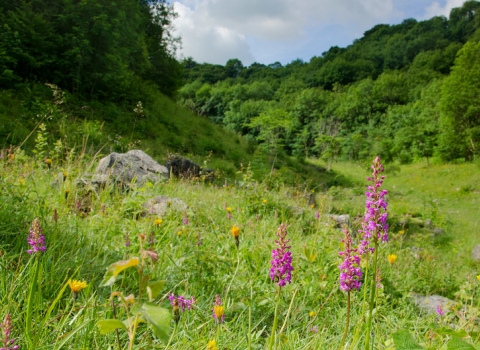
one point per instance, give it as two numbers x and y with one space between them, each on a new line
267 31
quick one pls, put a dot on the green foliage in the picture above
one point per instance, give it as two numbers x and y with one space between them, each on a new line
460 118
96 48
380 94
80 244
457 343
41 143
135 310
404 341
272 126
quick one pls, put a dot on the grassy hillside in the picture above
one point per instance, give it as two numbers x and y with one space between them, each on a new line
445 193
159 124
156 125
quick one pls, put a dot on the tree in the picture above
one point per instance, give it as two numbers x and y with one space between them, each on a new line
460 106
272 126
233 68
93 47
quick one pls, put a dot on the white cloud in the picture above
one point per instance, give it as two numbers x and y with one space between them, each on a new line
436 9
208 42
217 30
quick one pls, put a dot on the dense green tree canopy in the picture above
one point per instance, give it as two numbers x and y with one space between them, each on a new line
378 96
93 47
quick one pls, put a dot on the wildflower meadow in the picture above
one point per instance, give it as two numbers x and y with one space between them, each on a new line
247 265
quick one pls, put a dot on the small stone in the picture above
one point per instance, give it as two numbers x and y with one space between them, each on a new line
416 251
437 231
430 303
297 210
476 253
160 205
340 219
428 223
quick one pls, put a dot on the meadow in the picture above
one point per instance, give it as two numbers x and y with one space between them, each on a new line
194 254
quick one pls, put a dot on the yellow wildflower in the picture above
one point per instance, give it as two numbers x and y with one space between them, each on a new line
48 161
158 222
401 232
264 201
218 310
229 209
312 206
311 313
478 277
391 258
212 345
235 231
179 233
21 181
76 286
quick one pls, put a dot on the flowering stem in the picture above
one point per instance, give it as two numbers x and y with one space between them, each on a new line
249 327
347 322
288 312
372 297
116 330
234 275
31 297
171 337
365 288
275 320
134 330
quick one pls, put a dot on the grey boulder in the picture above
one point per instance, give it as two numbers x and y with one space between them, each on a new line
126 167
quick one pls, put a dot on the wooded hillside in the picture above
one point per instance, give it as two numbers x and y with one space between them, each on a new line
402 91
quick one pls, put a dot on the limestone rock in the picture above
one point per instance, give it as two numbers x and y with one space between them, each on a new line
340 219
476 253
124 167
161 205
297 210
430 303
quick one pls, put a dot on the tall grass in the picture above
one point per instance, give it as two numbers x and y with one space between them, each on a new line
201 259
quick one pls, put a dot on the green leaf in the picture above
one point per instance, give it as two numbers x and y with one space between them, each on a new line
154 288
109 325
66 337
129 321
159 318
114 269
404 341
447 331
457 343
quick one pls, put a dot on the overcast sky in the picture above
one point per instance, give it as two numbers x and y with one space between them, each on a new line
266 31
